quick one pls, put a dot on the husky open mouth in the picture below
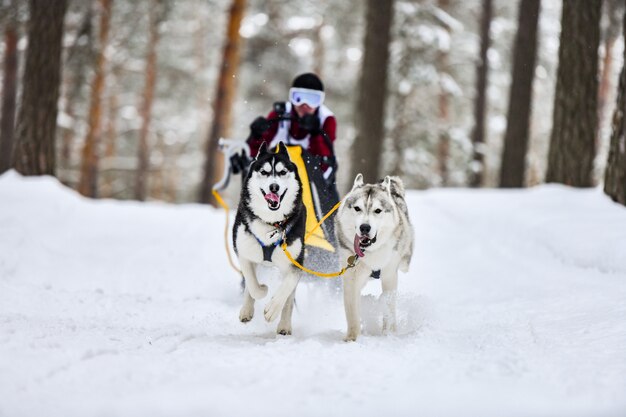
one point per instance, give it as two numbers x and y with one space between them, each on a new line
273 200
362 242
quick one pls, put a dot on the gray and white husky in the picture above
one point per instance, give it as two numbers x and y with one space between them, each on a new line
270 212
373 224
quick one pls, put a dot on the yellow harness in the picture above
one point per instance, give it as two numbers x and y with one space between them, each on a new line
350 262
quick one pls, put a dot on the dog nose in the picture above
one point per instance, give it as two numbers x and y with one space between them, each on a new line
365 228
274 188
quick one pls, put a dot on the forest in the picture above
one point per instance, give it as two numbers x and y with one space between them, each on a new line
128 99
492 283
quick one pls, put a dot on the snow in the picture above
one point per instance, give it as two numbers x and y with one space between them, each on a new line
514 305
252 25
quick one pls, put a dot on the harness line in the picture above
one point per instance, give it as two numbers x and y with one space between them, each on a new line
351 261
222 203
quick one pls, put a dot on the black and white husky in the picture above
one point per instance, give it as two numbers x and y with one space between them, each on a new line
373 224
270 212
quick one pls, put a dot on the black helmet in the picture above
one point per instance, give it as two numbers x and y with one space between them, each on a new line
308 80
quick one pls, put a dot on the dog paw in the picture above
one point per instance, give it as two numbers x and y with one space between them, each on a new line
246 314
350 337
272 310
352 334
283 331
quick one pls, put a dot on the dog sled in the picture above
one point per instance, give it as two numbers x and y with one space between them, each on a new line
319 195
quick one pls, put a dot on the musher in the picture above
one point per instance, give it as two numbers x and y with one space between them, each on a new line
304 120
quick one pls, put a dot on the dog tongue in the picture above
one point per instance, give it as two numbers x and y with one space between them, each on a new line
272 198
357 246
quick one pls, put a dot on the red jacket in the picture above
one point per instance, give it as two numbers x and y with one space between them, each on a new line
317 144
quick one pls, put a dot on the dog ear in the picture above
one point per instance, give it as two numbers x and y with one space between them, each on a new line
262 149
358 181
396 186
282 149
387 185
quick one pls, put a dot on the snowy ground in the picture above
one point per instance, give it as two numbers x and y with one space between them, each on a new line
515 305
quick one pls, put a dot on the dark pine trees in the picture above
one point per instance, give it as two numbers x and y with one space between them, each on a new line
34 152
520 98
224 99
157 14
372 90
480 102
615 175
572 142
9 84
88 185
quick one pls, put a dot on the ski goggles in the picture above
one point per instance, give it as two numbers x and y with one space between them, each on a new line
313 98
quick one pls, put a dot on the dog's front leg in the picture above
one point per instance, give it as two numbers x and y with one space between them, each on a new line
389 278
352 304
287 287
284 326
247 310
255 290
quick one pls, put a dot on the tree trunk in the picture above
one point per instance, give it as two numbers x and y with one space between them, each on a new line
89 167
200 60
613 12
513 163
572 142
224 99
143 155
110 135
480 103
605 85
34 152
615 175
77 61
319 52
398 133
372 91
443 144
9 93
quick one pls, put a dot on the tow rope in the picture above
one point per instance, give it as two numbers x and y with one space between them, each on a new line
350 262
222 203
